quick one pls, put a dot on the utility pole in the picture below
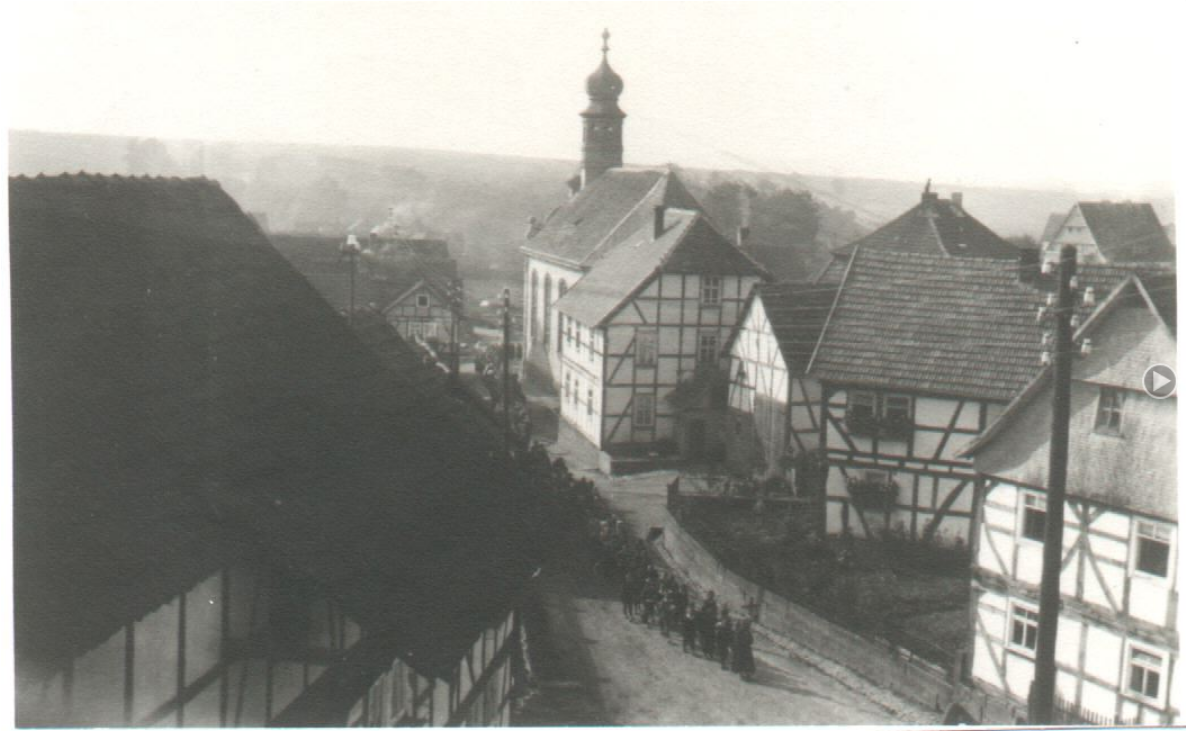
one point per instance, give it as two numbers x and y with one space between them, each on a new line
351 248
505 367
1043 688
457 306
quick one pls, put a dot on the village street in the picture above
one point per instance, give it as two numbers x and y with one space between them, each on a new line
592 666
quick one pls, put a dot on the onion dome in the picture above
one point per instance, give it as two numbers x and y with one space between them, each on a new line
604 84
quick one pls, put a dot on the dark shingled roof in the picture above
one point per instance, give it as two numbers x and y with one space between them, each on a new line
183 396
936 226
796 313
606 211
962 327
1127 231
689 244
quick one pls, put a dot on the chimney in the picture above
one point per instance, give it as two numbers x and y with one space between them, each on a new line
957 199
743 234
743 229
574 184
532 227
1029 264
660 215
929 194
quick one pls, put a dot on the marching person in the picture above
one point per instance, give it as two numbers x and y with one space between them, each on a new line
725 639
743 651
707 626
689 629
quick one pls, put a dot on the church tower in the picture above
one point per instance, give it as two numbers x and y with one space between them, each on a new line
602 120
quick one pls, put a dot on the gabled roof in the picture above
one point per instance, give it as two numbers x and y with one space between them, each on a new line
689 244
796 313
963 327
182 396
606 211
936 227
1136 475
1127 231
1052 226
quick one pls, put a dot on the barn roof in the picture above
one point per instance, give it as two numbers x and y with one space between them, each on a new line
962 327
616 204
936 227
182 396
1127 231
689 244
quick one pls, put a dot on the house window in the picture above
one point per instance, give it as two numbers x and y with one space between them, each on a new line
422 300
1110 411
1145 672
862 404
646 347
416 329
897 408
707 353
590 401
567 386
643 410
1153 545
431 331
591 345
1025 627
710 290
1034 518
568 332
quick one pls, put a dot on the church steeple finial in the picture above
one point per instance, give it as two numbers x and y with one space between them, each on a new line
602 119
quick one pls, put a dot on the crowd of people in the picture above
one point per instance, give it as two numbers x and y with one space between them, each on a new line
661 601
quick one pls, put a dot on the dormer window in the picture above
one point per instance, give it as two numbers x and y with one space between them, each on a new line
422 300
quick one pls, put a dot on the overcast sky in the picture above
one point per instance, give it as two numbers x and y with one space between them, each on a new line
970 93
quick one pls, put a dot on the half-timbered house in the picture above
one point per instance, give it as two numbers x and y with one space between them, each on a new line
229 511
917 354
1108 232
628 288
1117 641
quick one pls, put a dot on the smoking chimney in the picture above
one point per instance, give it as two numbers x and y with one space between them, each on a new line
743 234
660 215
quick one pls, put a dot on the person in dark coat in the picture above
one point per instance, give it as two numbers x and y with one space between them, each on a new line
627 594
689 629
743 650
707 626
725 639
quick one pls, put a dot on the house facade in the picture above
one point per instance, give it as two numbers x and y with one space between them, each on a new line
628 289
1117 641
211 554
427 311
1108 232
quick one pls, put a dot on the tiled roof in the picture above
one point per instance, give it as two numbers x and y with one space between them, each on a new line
181 394
963 327
606 211
689 244
1127 231
936 227
796 313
